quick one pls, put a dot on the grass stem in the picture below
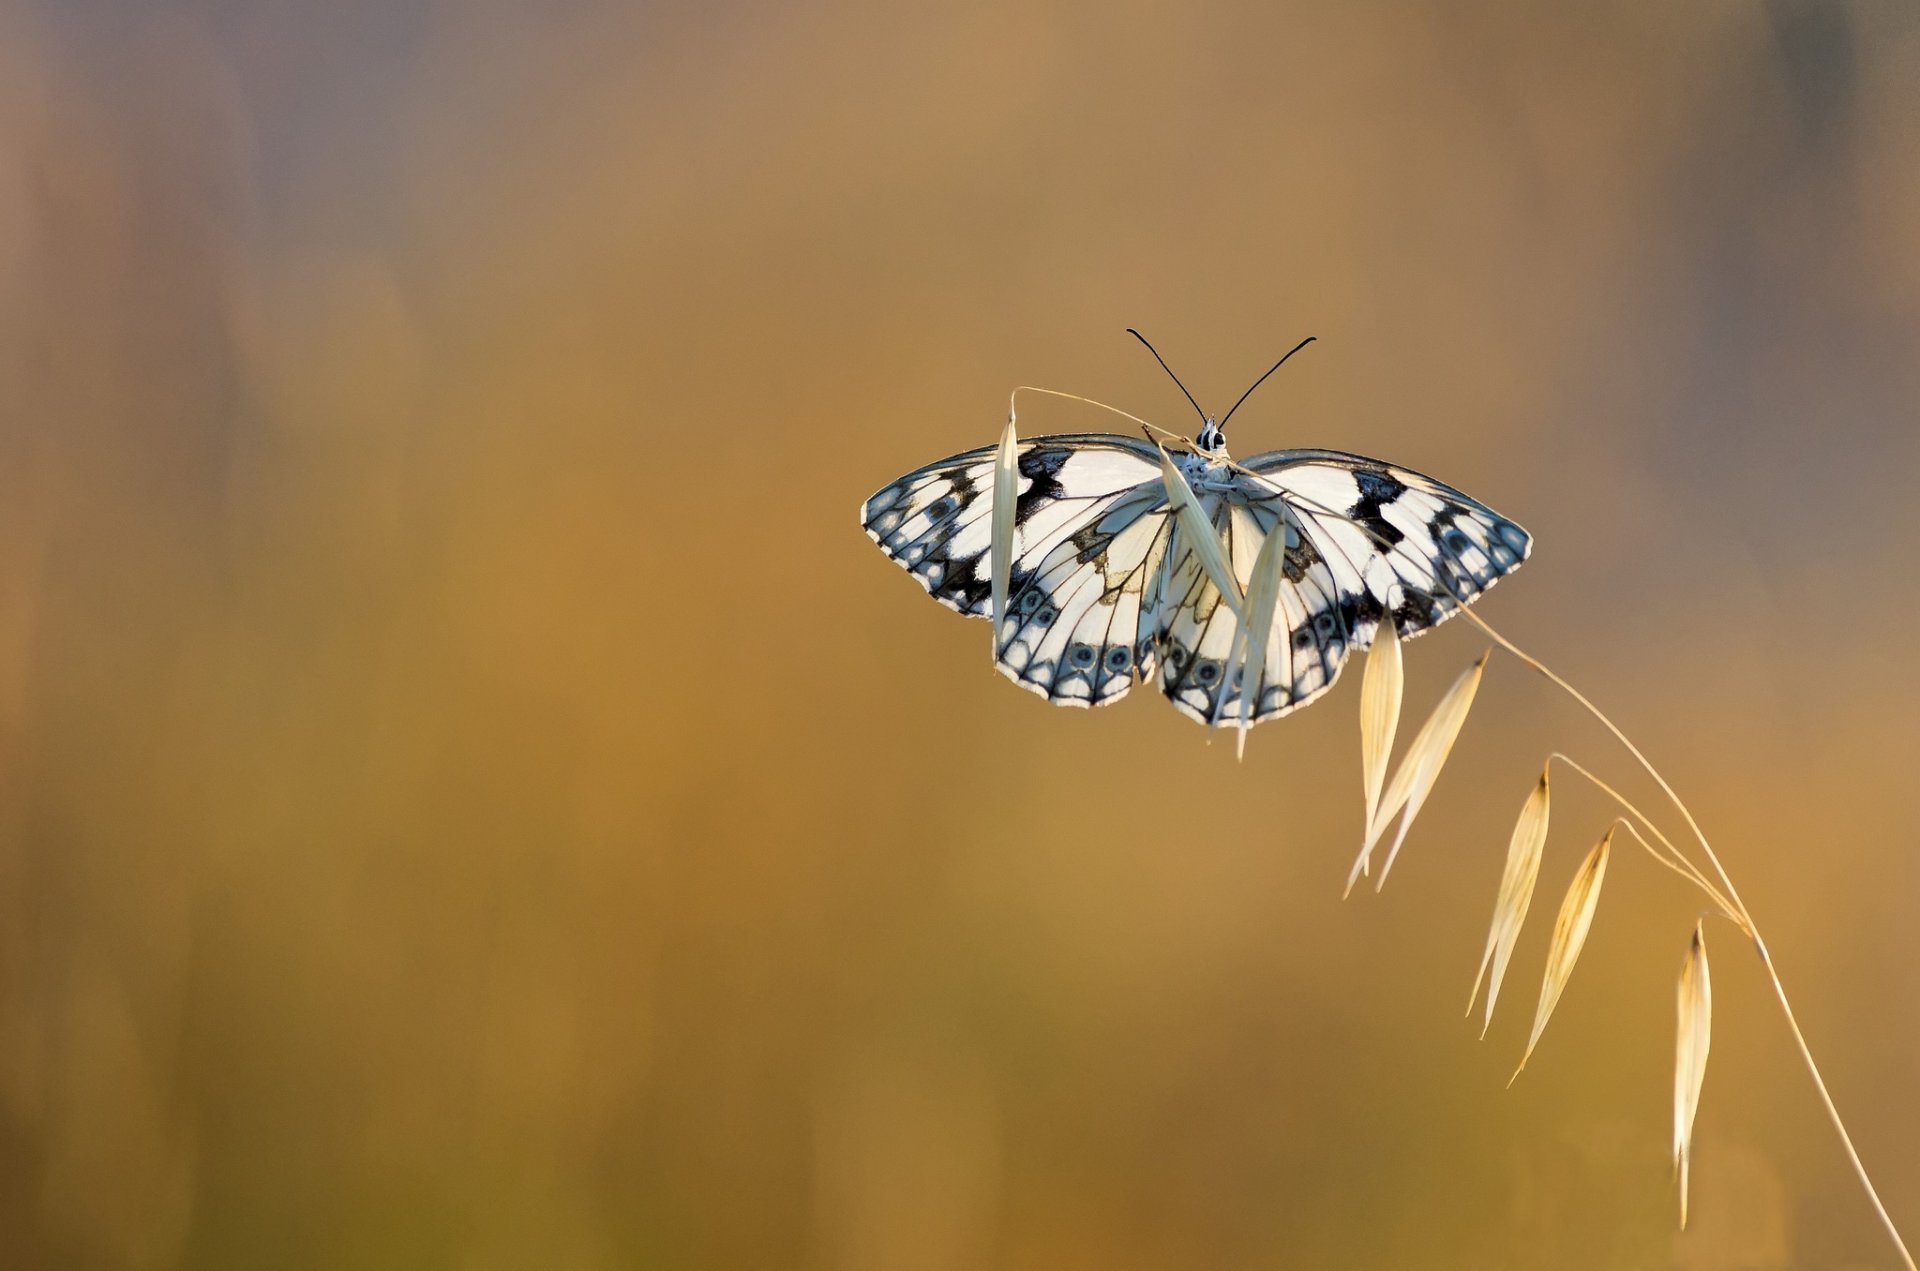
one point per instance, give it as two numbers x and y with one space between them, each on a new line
1729 900
1737 910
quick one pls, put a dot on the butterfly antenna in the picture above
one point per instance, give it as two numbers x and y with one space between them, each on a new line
1170 375
1263 379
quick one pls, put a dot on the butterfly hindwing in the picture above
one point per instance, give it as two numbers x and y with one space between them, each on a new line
1318 618
1075 620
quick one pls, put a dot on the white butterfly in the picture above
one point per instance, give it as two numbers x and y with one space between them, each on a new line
1103 592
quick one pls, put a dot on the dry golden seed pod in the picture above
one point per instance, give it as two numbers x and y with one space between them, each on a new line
1251 636
1006 485
1381 687
1516 894
1695 1036
1570 929
1420 767
1194 524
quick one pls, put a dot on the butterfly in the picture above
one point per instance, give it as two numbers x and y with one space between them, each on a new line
1107 590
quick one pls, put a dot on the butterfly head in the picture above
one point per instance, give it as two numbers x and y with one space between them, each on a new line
1211 441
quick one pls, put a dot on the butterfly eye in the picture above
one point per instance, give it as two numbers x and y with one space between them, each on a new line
1207 672
1028 602
1081 656
1303 639
1119 658
1456 541
1046 615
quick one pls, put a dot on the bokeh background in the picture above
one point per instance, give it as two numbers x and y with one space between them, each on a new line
471 797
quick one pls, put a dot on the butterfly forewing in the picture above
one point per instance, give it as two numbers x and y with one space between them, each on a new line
1437 541
935 520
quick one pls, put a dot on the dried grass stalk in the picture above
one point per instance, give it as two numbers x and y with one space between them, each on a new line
1380 692
1690 1054
1570 929
1206 540
1420 768
1249 652
1006 485
1516 895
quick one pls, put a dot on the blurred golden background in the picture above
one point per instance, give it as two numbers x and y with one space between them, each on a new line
471 797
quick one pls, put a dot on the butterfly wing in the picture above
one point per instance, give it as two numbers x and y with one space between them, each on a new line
1104 593
1439 543
1090 526
1337 581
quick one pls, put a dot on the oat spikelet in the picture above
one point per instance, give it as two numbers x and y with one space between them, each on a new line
1516 894
1006 485
1380 691
1250 638
1420 768
1569 935
1206 540
1690 1054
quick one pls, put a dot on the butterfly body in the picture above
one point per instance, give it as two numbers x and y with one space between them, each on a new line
1106 592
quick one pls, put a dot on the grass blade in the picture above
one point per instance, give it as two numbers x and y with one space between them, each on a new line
1206 540
1380 691
1570 929
1516 895
1006 484
1420 768
1250 639
1690 1054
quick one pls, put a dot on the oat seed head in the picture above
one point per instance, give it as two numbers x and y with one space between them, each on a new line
1420 768
1251 636
1006 485
1570 929
1516 894
1194 524
1694 1038
1381 687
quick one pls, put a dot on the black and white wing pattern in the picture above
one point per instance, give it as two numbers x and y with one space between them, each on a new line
1090 530
1319 617
1337 581
1439 543
1105 591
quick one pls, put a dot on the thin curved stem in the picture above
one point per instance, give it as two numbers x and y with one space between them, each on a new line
1833 1113
1737 909
1675 859
1742 916
1073 397
1646 764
